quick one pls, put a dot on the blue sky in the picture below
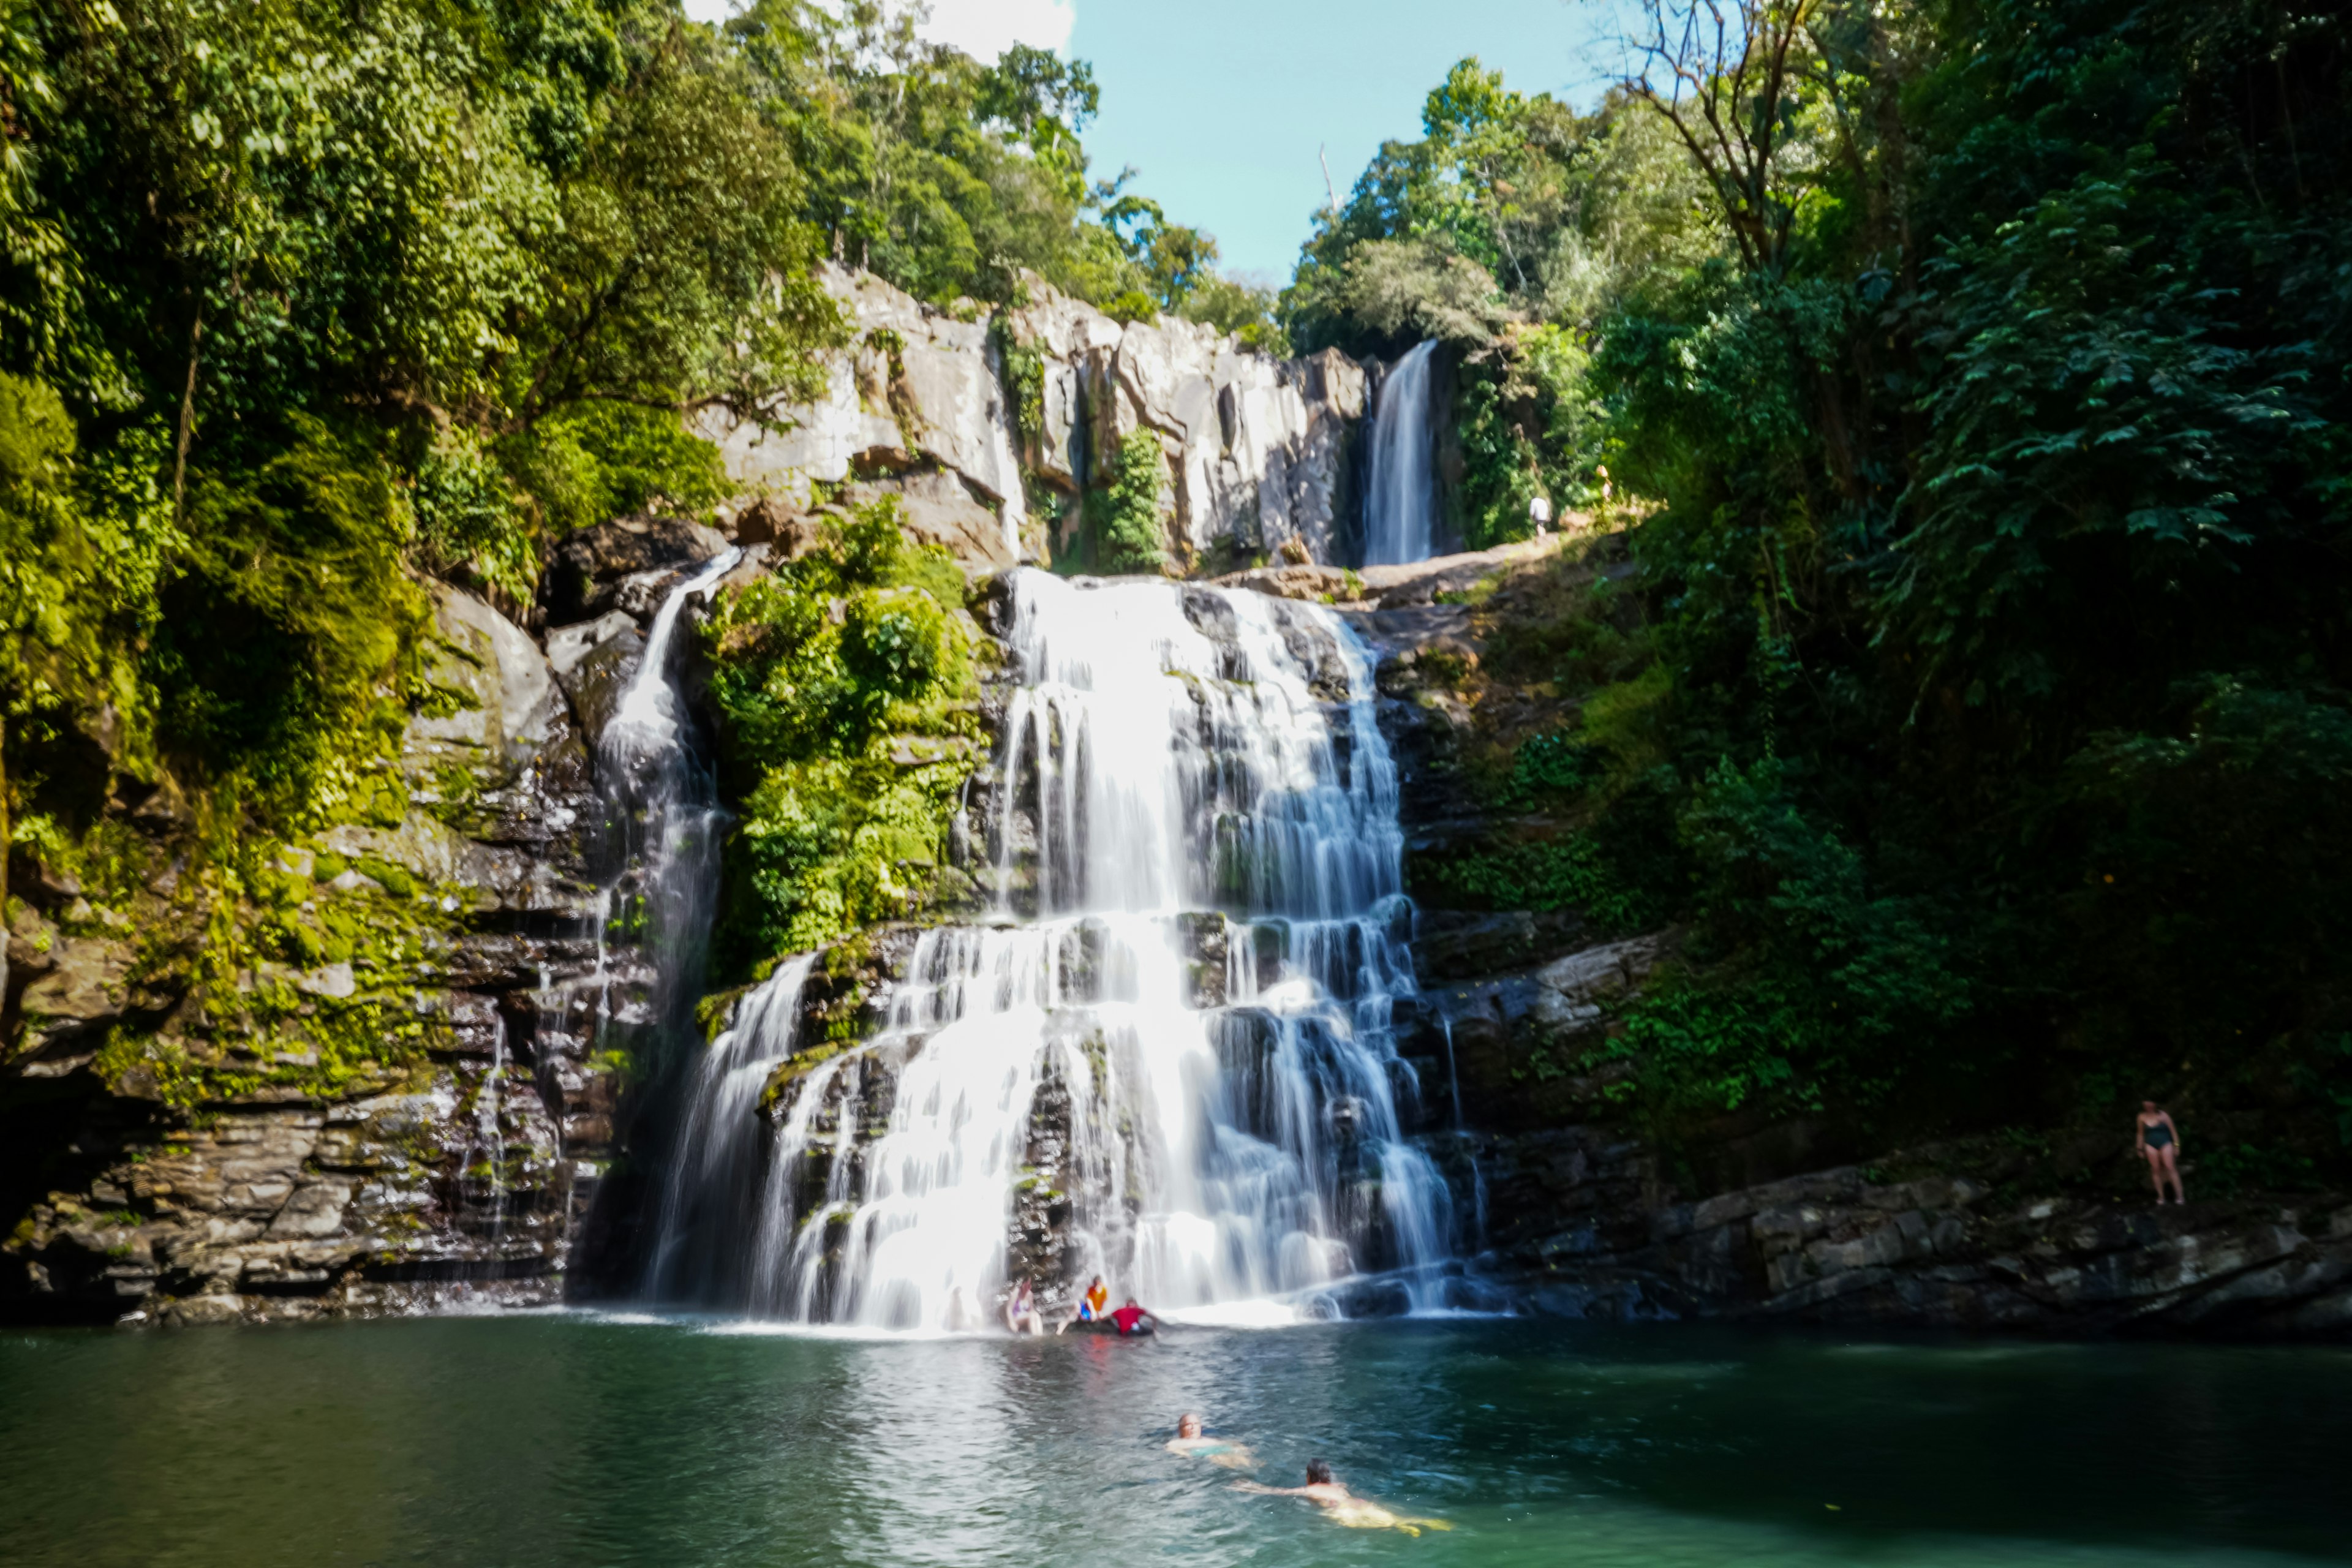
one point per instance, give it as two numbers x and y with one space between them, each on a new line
1220 105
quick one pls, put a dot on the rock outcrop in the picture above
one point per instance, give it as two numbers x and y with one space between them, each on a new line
1584 1226
1256 451
405 1101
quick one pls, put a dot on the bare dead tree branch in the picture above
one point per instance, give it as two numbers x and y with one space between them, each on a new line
1723 74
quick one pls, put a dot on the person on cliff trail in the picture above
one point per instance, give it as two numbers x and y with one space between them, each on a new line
1090 1306
1021 1315
1191 1444
1131 1320
1341 1506
2160 1140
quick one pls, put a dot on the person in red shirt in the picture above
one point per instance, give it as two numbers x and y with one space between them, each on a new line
1131 1317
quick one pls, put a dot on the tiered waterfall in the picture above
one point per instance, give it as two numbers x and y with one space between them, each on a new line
1169 1061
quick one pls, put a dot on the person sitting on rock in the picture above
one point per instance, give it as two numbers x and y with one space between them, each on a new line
1341 1506
1130 1319
1021 1315
1190 1442
1090 1306
2160 1141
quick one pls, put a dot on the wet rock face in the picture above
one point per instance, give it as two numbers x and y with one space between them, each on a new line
456 1180
1037 1238
1582 1233
461 1169
594 662
595 568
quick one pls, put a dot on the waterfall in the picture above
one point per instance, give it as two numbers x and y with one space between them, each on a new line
659 794
661 806
1170 1060
715 1179
485 1147
1400 500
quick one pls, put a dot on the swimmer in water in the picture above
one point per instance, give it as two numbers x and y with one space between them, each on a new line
1188 1443
1341 1506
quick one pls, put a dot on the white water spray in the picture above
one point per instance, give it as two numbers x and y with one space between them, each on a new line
1207 1107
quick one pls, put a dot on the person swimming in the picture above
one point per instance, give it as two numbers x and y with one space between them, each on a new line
1191 1444
1090 1306
1341 1506
1131 1319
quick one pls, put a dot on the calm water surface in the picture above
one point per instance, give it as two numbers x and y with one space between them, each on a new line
577 1441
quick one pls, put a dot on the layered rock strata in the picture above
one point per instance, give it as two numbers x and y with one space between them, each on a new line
418 1112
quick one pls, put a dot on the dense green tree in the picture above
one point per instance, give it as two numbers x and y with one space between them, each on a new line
303 300
1983 362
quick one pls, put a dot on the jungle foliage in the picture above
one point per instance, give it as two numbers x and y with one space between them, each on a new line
844 684
304 301
1989 363
1509 232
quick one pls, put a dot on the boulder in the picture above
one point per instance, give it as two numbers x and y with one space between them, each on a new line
79 988
594 662
918 387
494 752
788 533
940 508
590 567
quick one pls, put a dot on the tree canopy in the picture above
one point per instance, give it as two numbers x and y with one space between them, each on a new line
304 300
1981 364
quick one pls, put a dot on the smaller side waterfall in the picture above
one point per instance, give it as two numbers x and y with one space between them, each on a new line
1400 500
658 793
709 1220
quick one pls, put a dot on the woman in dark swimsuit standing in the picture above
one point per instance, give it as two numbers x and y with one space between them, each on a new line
2160 1141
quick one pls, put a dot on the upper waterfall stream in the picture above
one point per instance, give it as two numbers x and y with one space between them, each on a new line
1401 495
1168 1059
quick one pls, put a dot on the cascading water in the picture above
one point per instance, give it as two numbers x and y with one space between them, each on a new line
1205 1107
663 807
660 793
1400 500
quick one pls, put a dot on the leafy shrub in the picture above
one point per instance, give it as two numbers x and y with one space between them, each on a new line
1130 533
602 460
838 680
466 518
281 643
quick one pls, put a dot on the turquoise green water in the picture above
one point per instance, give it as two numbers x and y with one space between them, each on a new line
574 1441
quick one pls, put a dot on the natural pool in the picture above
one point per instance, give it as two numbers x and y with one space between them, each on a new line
577 1440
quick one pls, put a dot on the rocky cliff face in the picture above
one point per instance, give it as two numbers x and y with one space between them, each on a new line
383 1069
991 428
377 1073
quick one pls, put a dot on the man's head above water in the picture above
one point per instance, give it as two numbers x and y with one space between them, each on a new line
1188 1425
1318 1472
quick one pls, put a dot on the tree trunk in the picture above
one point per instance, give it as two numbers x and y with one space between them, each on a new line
187 425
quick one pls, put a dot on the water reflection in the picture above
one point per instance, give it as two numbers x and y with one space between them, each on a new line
564 1441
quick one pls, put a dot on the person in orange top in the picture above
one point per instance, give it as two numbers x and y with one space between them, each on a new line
1090 1305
